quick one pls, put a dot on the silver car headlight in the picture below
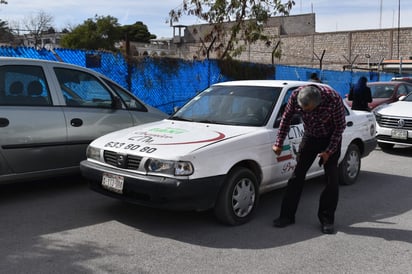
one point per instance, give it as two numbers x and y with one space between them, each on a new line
177 168
93 153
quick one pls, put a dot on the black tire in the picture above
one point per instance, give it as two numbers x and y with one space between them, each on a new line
238 198
349 168
385 146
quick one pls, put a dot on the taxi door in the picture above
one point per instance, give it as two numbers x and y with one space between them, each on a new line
285 163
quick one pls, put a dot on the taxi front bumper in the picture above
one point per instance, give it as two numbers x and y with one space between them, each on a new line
156 191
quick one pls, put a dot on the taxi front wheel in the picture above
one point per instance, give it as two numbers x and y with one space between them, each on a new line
238 198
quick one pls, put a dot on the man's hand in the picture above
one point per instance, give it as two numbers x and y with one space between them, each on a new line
324 157
277 150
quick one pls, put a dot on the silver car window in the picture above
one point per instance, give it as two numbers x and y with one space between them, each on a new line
23 86
81 89
130 101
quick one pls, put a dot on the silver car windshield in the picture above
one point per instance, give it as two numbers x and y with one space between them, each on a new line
231 105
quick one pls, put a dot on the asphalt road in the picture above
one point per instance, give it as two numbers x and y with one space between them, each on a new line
60 226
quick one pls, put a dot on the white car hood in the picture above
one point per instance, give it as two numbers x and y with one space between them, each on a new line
168 139
403 109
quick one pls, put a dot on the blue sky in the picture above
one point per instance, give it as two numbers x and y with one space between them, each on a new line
330 15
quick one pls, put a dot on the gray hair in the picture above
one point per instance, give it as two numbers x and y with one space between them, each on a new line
309 95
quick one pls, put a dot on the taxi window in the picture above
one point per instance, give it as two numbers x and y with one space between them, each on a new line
285 102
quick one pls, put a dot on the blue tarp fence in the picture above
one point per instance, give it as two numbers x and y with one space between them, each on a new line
164 86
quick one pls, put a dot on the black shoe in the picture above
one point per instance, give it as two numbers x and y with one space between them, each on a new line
328 229
282 222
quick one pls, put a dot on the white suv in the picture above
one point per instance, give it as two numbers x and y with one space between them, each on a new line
394 123
216 152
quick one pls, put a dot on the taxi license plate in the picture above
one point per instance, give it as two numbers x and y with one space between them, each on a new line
399 134
113 182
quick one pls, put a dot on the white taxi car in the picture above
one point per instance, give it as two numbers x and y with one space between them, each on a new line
215 152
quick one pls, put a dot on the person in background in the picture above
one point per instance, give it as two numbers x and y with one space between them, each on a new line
314 78
360 95
323 115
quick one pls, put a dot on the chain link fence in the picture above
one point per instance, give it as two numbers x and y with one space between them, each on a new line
168 83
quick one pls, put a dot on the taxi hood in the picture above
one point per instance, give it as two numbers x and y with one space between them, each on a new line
168 139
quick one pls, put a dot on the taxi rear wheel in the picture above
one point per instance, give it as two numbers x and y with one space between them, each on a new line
238 198
349 168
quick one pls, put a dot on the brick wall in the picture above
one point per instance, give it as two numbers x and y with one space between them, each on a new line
301 46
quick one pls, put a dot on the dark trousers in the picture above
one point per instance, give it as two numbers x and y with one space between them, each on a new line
308 151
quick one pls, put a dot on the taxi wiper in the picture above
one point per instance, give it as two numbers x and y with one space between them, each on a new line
179 118
210 122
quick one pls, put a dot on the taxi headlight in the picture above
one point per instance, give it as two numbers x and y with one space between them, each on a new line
177 168
93 153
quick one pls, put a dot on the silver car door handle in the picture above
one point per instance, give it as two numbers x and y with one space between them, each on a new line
76 122
4 122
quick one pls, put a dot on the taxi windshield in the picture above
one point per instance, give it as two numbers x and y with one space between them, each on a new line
231 105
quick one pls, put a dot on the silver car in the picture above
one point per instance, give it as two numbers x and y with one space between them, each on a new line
51 111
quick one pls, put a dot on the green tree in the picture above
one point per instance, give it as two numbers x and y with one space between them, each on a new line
102 32
138 32
246 20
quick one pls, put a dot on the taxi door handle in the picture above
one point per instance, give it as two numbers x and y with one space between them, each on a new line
76 122
4 122
349 124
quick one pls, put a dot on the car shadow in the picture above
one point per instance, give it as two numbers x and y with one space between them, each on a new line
371 207
398 150
363 208
60 221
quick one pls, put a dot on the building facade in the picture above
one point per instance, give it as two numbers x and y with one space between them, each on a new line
294 37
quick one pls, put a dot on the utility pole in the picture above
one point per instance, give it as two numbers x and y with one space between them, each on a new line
399 24
380 15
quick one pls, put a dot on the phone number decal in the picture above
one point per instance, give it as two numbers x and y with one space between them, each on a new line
133 147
